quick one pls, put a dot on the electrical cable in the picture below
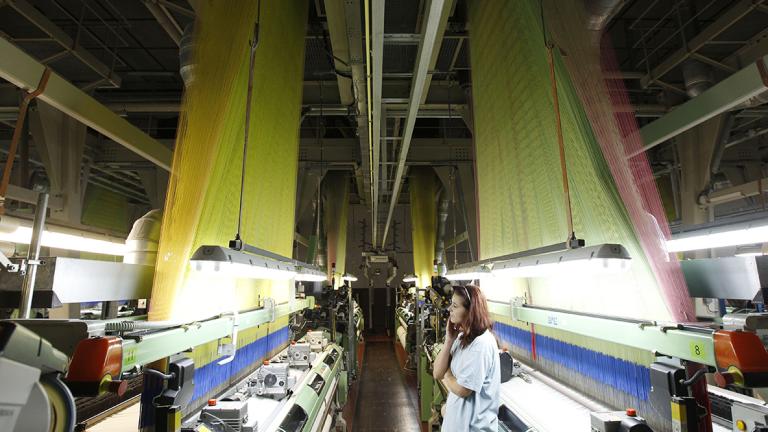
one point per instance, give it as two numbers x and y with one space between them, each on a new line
253 43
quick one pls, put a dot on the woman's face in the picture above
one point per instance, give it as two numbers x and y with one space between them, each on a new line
457 310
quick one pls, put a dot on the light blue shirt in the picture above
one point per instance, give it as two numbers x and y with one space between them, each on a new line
476 368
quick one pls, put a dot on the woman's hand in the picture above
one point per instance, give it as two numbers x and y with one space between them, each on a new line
451 332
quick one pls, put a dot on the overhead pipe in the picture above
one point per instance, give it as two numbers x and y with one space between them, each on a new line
431 40
357 62
377 63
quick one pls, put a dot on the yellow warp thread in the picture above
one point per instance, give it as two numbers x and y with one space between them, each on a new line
203 191
423 185
336 204
518 169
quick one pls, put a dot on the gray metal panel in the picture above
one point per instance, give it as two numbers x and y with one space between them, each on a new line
64 335
78 281
736 278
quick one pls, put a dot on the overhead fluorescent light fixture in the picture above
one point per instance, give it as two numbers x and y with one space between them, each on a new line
749 251
469 272
310 273
19 231
410 278
225 262
746 233
349 277
604 258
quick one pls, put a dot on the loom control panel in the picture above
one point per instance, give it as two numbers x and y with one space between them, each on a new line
272 380
300 355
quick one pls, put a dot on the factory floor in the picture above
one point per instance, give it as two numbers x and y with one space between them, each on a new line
385 402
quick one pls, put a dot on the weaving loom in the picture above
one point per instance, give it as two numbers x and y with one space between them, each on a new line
316 178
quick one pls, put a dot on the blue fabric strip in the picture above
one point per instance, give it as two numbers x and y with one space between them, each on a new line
624 375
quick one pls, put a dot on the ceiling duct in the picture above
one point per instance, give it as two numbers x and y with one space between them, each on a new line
698 78
600 12
186 51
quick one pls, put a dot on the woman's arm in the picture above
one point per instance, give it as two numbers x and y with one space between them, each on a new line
454 387
443 360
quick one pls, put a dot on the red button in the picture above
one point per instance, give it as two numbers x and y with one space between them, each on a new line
631 412
211 402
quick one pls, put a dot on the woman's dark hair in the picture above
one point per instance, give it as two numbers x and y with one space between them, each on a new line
478 320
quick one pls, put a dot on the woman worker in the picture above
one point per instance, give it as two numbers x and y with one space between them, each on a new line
468 365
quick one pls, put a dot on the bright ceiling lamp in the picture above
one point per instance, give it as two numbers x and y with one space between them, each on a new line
310 273
349 277
723 236
469 272
604 258
225 262
19 231
410 278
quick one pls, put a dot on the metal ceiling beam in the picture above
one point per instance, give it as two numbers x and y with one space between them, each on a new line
414 39
24 72
377 63
437 19
62 38
165 20
721 24
723 96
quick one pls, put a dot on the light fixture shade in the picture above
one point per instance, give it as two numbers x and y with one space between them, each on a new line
310 273
225 262
745 233
410 278
749 251
469 272
604 258
349 277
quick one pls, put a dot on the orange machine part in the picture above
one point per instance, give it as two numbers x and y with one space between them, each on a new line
96 357
742 350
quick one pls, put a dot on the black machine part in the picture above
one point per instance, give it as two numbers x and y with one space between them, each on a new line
181 385
666 384
506 364
634 424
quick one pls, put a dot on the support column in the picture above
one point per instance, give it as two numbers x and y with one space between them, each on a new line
155 182
695 149
60 142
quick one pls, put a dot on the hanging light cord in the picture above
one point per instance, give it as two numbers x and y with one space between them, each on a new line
571 239
252 43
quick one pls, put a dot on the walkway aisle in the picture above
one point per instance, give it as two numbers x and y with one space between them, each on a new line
385 402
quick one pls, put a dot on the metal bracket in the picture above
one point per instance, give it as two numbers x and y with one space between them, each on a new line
269 305
516 302
229 349
8 265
